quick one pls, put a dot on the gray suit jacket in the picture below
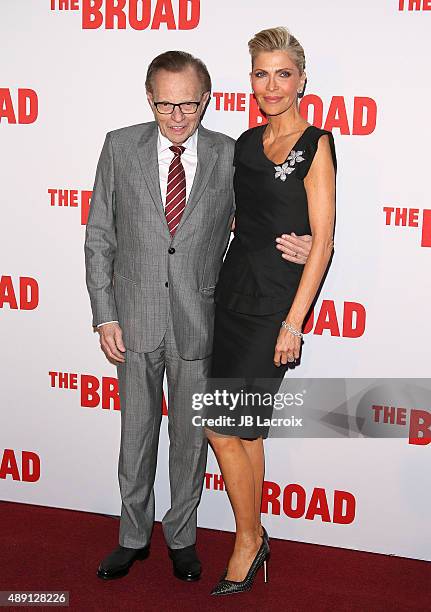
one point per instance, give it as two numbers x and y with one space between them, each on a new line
131 275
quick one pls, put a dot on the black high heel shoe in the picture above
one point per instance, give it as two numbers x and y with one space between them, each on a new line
265 536
229 587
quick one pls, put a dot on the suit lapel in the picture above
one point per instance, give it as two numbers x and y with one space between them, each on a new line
207 157
148 159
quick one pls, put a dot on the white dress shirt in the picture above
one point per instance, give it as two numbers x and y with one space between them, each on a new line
189 159
164 155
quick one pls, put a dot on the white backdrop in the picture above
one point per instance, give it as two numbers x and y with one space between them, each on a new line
55 450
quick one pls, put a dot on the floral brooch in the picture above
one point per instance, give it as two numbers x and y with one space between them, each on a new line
283 171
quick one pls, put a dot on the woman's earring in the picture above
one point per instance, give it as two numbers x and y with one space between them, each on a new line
302 91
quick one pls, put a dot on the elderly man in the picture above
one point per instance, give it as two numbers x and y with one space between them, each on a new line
158 227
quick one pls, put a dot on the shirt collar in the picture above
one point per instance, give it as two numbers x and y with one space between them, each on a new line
191 144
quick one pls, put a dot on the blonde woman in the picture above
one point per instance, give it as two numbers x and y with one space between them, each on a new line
284 178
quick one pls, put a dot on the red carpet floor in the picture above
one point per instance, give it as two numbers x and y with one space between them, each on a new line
51 549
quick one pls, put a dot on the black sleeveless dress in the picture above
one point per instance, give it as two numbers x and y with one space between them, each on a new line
256 286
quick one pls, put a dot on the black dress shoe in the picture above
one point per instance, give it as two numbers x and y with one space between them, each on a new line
118 563
185 562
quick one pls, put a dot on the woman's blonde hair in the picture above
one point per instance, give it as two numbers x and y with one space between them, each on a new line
278 39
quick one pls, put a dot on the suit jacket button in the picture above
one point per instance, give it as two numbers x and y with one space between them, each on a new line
166 284
171 251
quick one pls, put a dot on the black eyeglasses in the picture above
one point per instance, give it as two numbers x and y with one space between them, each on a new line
167 108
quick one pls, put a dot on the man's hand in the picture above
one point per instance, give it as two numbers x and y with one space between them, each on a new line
294 248
111 342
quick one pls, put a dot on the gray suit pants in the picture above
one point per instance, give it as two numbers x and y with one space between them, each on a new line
140 386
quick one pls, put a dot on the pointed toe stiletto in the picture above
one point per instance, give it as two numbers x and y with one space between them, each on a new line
230 587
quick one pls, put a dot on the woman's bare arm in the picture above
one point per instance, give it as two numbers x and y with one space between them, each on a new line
320 187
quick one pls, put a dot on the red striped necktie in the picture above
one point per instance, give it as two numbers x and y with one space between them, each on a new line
176 190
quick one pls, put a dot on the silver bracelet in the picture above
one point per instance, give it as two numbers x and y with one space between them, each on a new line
292 330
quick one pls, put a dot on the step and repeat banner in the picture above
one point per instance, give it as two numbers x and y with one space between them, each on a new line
72 70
